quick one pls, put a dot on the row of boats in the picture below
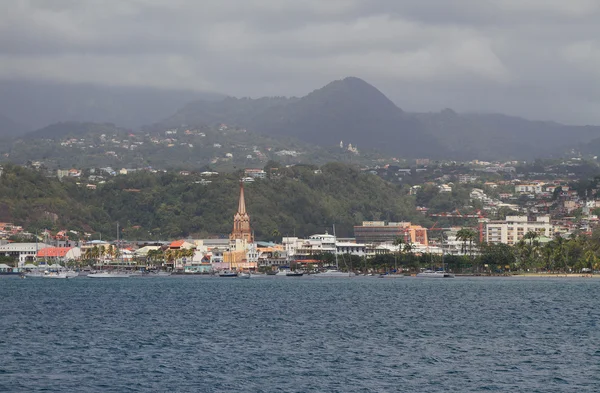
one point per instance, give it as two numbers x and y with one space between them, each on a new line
336 273
65 274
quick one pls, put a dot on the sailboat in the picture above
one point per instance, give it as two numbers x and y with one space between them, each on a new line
429 273
292 273
335 272
110 274
228 273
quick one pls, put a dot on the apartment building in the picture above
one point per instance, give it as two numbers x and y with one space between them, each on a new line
511 230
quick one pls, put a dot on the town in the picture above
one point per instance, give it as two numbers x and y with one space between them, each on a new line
470 208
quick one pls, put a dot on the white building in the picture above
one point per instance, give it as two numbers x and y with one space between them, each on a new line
24 252
511 230
529 188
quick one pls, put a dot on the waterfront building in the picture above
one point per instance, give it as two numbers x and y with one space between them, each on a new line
22 252
374 232
511 230
59 255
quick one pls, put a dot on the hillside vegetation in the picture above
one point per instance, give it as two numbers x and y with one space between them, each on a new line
165 205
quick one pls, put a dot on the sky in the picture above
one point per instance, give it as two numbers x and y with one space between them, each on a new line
534 58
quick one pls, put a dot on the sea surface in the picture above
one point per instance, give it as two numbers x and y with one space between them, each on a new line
285 334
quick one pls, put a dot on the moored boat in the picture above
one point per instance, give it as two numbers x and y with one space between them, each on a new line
108 274
55 275
228 273
335 273
434 274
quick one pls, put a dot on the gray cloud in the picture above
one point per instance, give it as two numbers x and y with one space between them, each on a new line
535 58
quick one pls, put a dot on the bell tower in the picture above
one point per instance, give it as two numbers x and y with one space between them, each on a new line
241 221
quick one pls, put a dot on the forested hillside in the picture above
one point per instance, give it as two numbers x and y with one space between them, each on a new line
161 206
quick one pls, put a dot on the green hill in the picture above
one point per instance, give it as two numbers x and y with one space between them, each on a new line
300 200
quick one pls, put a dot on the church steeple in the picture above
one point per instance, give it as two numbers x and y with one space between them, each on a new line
241 221
242 204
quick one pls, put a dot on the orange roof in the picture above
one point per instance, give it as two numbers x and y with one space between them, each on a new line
53 252
177 243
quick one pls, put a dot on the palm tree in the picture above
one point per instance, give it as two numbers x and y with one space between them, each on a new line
531 236
275 234
399 241
467 235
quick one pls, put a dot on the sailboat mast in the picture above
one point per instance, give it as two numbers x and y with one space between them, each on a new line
335 245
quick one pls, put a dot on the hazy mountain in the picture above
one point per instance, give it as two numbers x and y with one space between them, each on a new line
37 104
496 136
233 111
352 111
9 128
73 129
348 110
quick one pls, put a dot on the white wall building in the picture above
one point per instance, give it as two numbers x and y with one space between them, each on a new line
24 252
511 230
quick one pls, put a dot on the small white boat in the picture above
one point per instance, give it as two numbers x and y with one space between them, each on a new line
34 274
435 274
55 275
294 273
228 273
108 275
335 273
244 275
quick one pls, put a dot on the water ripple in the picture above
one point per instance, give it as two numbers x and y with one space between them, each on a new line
302 335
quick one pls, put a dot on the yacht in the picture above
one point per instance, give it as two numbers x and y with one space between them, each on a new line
34 274
335 273
228 273
294 273
55 275
108 274
435 274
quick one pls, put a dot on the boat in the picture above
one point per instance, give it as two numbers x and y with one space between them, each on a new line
159 273
294 273
57 274
228 273
271 272
34 274
244 275
281 273
429 273
335 273
71 273
108 274
434 274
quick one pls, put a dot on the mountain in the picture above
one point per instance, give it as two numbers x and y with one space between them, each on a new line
73 129
235 111
348 110
9 128
353 111
497 136
36 104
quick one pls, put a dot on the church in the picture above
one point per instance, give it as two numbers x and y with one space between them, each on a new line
241 238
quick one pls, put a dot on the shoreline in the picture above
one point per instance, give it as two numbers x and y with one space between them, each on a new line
534 275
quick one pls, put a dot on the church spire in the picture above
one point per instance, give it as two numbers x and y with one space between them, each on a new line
242 204
241 221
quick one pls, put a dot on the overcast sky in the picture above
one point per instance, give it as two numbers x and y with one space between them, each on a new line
535 58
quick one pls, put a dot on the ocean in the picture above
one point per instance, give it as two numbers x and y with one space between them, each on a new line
305 334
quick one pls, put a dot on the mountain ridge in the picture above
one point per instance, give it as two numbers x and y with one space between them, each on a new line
353 111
